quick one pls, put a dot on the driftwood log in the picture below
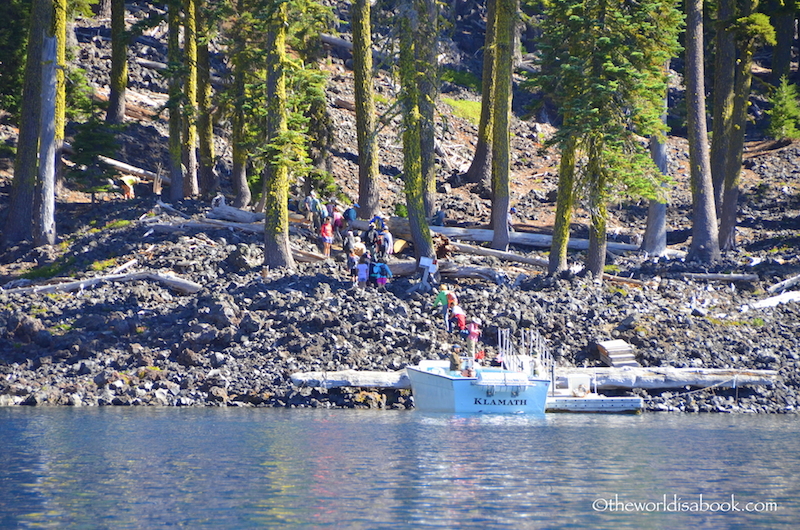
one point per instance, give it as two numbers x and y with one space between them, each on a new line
399 226
170 280
132 170
785 284
661 378
715 277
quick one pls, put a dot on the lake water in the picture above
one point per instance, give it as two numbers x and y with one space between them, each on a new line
146 468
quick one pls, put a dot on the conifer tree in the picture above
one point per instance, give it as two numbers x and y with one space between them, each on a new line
784 117
604 68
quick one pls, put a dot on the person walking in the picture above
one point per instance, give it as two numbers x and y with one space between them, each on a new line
326 234
349 216
473 334
442 300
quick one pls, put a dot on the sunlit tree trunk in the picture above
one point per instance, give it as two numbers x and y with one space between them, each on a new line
705 243
277 253
501 138
190 185
412 165
119 64
60 31
564 203
209 183
368 156
428 60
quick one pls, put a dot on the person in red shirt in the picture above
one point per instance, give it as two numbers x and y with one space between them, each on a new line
326 234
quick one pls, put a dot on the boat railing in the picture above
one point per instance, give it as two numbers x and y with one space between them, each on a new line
532 357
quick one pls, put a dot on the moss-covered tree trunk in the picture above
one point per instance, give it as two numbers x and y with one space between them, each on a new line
598 210
705 243
189 148
60 30
480 170
20 214
564 203
412 164
174 102
368 192
753 30
277 253
119 64
428 61
724 78
501 138
209 183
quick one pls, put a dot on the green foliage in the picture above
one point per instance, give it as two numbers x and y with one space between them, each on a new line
469 110
785 113
101 265
400 210
50 270
93 138
15 15
461 78
80 105
608 80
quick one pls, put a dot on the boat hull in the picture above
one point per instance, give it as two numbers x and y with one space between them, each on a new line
493 391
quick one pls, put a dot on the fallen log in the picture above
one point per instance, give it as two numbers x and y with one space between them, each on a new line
132 170
253 228
499 254
717 277
179 284
447 269
364 379
399 226
772 301
785 284
660 378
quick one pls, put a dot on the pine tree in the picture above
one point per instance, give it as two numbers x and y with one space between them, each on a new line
602 63
785 113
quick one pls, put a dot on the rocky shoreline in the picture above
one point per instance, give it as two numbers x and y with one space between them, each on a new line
237 341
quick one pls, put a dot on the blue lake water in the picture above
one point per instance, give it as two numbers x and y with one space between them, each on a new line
145 468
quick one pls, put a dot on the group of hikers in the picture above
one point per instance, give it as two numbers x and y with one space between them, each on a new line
366 254
455 318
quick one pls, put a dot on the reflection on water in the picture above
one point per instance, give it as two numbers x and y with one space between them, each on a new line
247 468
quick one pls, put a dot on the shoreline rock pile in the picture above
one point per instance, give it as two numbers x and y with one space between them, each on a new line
238 340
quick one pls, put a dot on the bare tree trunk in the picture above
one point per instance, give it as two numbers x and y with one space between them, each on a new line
20 217
705 243
481 168
45 225
654 241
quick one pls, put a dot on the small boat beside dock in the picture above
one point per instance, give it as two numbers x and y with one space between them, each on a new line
477 389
